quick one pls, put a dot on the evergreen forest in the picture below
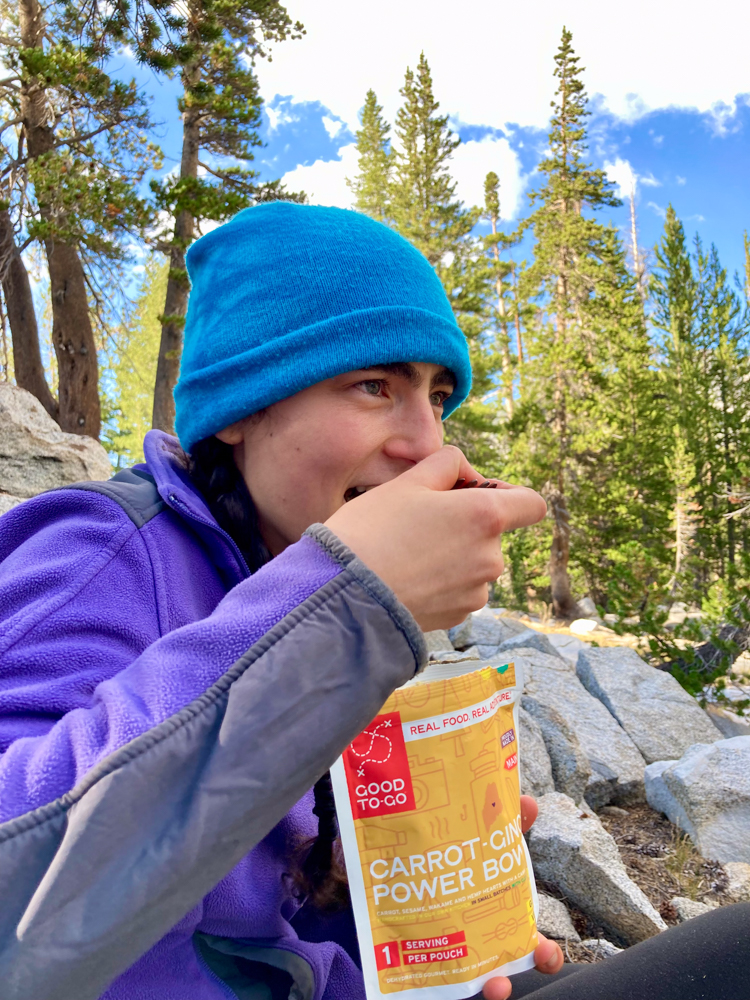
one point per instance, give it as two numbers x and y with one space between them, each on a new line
612 377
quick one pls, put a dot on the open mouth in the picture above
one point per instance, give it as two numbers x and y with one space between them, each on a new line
355 491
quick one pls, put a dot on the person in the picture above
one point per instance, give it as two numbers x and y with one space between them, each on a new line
187 648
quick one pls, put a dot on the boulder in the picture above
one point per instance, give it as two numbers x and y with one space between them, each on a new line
35 455
567 646
553 919
587 608
536 770
527 639
7 502
616 764
707 794
601 948
727 722
570 766
484 628
738 880
570 848
456 655
438 642
686 908
659 716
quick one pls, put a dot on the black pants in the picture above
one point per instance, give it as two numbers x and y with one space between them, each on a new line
706 958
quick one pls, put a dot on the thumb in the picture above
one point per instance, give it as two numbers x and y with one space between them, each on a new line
440 470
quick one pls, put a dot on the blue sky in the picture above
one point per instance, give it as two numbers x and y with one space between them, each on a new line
669 86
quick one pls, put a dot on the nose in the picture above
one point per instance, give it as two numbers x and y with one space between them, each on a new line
417 432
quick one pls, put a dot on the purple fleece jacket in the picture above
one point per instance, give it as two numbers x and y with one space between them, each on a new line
108 629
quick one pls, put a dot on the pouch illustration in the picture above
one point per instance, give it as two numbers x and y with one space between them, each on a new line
428 801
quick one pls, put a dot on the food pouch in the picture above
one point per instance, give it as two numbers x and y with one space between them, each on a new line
428 802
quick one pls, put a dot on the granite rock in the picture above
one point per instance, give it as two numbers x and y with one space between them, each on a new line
570 848
536 770
738 880
707 794
659 716
553 919
601 948
437 641
686 908
570 766
484 628
616 764
35 455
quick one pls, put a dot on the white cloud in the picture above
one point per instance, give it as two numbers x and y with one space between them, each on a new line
325 180
622 174
471 163
277 116
643 60
661 212
681 180
332 127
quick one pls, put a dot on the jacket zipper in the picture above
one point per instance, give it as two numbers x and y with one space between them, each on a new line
176 502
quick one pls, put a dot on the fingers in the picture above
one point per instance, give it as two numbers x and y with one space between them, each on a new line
548 956
440 470
529 812
498 988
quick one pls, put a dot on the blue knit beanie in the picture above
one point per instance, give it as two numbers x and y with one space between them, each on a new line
285 295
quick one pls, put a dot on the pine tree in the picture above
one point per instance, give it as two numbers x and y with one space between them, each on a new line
423 204
73 155
674 292
213 47
501 271
131 369
370 187
587 307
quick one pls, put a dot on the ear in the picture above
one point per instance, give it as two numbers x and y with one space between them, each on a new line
234 434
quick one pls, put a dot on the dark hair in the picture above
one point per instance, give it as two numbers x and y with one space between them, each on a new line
317 865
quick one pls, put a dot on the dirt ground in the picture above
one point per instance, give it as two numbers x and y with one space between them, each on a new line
661 860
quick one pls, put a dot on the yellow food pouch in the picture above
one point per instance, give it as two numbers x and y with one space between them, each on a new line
428 802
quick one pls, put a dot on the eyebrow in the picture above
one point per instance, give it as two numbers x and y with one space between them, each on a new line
406 370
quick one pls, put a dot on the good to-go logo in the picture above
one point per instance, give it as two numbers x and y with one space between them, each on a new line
377 769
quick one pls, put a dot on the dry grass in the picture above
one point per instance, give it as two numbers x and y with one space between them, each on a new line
662 861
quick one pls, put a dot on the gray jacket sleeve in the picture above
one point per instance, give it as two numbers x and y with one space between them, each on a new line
91 881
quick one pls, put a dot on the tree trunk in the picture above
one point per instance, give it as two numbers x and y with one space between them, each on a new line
519 338
563 605
72 333
27 357
178 288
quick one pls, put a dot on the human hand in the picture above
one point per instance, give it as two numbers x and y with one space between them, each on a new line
436 548
548 956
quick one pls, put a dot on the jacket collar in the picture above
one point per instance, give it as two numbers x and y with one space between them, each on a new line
168 464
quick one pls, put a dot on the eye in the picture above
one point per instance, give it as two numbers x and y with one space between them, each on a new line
438 398
372 387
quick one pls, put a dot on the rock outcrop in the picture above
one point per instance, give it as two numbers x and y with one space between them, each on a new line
571 849
707 794
616 763
571 770
659 716
553 920
536 770
686 908
35 455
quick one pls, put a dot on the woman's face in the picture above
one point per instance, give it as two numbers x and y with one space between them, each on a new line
307 455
